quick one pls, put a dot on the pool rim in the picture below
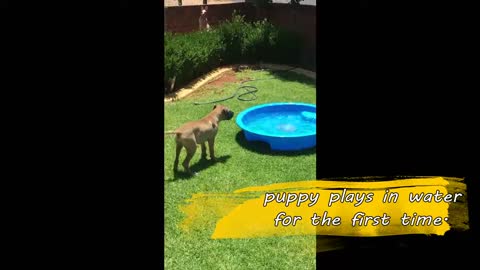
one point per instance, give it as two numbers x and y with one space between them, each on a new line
246 111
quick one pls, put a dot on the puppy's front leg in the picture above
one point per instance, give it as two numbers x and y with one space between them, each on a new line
211 146
204 151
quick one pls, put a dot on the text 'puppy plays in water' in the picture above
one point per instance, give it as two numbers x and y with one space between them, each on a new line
199 132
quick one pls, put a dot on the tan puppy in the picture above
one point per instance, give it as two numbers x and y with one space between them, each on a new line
198 132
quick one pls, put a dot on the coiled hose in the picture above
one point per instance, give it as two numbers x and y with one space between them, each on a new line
248 90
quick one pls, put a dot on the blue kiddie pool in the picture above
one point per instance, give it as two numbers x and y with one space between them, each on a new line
284 126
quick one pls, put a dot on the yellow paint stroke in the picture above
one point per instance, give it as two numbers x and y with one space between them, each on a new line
242 215
434 181
204 209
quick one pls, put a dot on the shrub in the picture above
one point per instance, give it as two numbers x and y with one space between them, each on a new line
190 55
248 42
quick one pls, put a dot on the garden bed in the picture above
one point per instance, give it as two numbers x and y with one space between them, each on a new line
192 55
215 78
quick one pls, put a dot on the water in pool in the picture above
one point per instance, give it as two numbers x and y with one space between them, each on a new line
282 124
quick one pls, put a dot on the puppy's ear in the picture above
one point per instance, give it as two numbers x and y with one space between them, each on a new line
214 106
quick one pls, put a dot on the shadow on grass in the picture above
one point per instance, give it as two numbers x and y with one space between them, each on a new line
264 148
197 167
289 76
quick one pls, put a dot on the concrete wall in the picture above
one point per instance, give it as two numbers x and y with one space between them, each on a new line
299 19
185 18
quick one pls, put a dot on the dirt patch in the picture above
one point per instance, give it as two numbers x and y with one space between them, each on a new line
227 77
216 85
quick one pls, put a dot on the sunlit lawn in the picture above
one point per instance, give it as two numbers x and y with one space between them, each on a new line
240 165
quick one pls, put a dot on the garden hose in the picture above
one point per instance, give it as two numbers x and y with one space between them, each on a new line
249 90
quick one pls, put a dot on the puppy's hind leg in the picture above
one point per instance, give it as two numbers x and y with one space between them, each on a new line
191 147
177 155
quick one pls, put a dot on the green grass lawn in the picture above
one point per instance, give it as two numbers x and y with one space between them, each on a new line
240 164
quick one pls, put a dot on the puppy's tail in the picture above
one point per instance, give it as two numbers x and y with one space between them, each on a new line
172 132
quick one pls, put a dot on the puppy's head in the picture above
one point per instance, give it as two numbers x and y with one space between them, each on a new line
224 113
203 10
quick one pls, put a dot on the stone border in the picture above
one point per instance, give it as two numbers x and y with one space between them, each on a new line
198 83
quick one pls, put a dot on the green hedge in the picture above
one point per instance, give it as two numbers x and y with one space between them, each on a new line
191 55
